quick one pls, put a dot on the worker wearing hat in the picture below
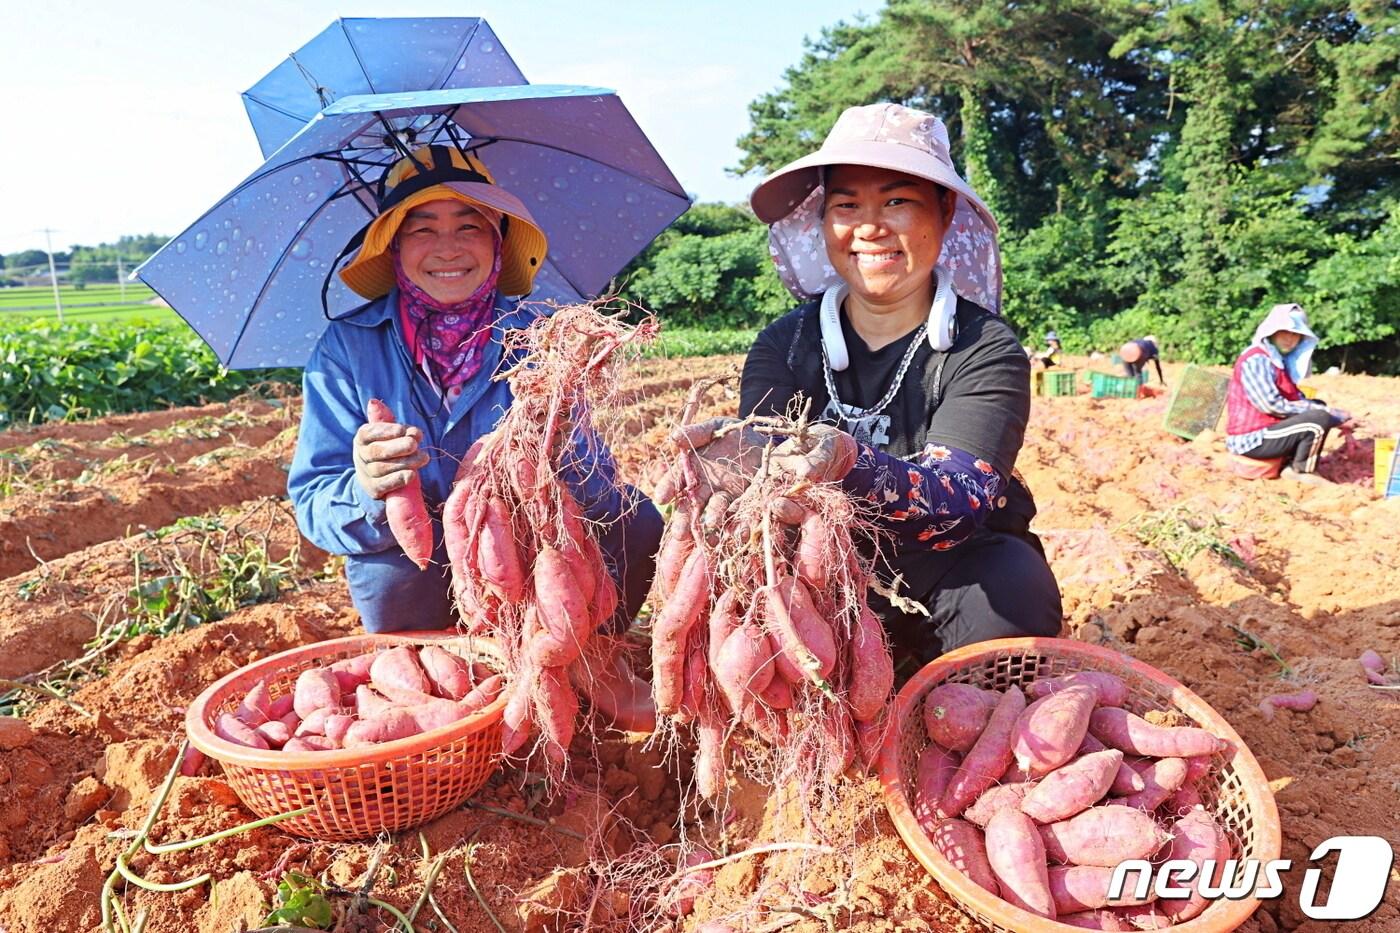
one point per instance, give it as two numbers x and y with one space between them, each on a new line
920 390
443 265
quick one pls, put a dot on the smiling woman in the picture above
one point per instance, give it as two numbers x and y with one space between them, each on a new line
437 263
922 390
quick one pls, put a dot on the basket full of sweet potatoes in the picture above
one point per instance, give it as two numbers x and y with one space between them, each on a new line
1022 772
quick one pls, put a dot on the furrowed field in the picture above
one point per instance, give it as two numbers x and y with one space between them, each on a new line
146 554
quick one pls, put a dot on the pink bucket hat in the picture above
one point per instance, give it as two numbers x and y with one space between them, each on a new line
888 136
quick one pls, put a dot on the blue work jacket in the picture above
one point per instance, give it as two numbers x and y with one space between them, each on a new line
365 355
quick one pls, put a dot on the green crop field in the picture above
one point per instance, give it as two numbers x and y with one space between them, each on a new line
42 296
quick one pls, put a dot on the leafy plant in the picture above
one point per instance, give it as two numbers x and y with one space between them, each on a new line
1181 534
303 903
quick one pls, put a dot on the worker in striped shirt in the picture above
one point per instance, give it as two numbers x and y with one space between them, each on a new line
1268 416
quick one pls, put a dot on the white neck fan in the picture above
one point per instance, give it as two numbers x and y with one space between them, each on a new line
942 321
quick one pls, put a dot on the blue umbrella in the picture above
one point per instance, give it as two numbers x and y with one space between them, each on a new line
375 56
249 275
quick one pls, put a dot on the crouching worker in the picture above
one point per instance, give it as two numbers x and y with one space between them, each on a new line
1268 415
1136 354
437 263
922 390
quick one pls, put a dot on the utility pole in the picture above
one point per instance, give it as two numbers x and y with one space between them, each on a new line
53 274
121 277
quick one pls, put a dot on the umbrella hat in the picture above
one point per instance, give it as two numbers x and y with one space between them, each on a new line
370 56
249 275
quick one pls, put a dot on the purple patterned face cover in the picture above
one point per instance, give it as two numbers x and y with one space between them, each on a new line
450 338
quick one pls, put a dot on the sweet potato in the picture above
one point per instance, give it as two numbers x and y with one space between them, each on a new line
936 768
1111 689
1161 778
1048 732
955 714
804 639
281 706
1104 835
310 743
256 706
559 600
1017 857
710 764
692 883
393 723
192 761
961 844
778 694
871 675
316 688
745 665
497 555
229 728
399 668
1126 781
870 738
676 545
484 693
1374 666
1198 838
337 724
351 672
275 731
404 507
434 714
673 624
722 621
995 799
556 709
515 718
369 702
449 674
315 723
1072 788
1078 888
401 697
1301 702
810 560
838 742
989 755
1120 729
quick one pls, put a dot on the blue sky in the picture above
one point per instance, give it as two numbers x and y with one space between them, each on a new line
126 117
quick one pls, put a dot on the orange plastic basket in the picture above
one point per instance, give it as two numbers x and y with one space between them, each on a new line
358 792
1236 792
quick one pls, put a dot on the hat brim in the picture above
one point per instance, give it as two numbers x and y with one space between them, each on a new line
784 190
523 248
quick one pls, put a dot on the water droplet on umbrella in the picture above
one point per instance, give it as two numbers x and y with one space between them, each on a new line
597 178
585 225
561 183
221 247
280 315
541 196
632 197
201 239
312 196
296 179
488 47
248 245
301 249
180 246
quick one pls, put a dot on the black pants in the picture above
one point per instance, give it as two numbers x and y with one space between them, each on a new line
994 585
1298 438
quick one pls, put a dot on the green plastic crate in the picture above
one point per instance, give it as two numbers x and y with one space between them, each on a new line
1061 383
1102 385
1197 402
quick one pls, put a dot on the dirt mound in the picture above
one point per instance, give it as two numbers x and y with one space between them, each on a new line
1239 589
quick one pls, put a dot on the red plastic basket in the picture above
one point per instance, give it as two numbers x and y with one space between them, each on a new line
1236 791
361 792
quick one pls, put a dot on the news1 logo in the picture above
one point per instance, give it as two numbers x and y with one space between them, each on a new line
1358 883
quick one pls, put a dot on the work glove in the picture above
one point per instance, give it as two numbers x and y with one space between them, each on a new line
724 467
823 454
386 457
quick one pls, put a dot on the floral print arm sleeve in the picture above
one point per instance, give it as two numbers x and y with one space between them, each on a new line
933 502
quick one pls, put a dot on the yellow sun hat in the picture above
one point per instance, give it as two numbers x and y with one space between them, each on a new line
433 173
